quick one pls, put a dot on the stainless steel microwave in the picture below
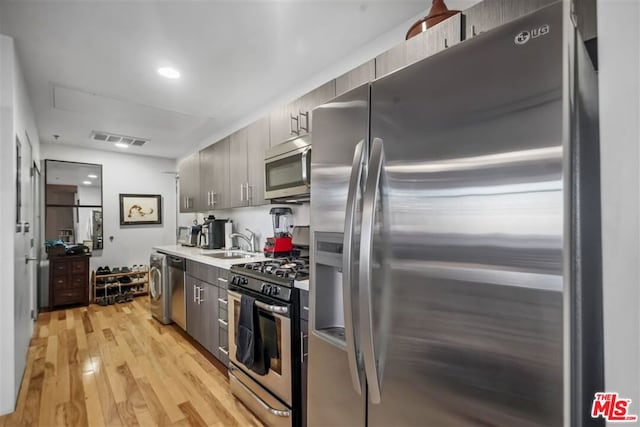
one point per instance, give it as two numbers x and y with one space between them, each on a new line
288 170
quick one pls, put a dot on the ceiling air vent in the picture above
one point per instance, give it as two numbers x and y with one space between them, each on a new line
114 138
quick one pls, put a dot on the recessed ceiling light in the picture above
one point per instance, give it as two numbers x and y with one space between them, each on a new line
168 72
121 145
92 176
86 182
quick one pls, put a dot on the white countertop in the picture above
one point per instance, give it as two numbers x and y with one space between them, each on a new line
200 255
302 284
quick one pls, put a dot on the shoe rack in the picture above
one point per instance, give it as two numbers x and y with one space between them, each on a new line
139 279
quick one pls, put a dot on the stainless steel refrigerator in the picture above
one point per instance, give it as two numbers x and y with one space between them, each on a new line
455 216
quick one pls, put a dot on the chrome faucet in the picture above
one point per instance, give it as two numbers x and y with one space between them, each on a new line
251 240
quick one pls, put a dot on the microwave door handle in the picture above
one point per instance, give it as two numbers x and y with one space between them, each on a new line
353 355
369 202
305 173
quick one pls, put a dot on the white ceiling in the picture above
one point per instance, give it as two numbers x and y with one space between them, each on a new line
91 65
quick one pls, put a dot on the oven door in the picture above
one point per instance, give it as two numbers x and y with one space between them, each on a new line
278 378
289 174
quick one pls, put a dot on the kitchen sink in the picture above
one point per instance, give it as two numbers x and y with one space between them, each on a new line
231 255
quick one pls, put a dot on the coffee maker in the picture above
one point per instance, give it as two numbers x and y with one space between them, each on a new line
213 233
280 244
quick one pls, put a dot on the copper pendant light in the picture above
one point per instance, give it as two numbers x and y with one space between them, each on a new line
438 13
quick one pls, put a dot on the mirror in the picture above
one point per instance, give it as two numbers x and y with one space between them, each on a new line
73 199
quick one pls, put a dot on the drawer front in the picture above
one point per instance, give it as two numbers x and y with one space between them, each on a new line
80 281
69 296
204 272
223 320
60 268
304 305
222 304
61 282
223 273
223 349
78 267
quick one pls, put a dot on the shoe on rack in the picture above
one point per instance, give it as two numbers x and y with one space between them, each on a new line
125 270
129 296
125 279
102 301
115 270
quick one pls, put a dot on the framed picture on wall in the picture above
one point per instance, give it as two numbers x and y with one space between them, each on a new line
140 209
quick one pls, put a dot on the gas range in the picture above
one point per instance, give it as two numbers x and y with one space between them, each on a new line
274 278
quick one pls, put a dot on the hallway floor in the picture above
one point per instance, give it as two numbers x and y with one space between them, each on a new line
115 366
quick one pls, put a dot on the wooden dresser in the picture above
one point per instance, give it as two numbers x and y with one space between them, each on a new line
68 280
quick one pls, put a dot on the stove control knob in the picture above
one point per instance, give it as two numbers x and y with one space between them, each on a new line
234 280
263 287
244 281
274 291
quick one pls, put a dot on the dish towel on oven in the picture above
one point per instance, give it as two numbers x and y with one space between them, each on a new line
248 342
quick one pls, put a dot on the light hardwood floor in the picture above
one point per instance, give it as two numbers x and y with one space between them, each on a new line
116 366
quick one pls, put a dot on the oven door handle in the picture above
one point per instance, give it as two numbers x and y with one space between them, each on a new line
275 309
272 411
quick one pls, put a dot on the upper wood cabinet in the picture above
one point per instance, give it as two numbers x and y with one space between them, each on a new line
311 100
294 119
246 158
189 172
427 43
356 77
214 166
283 123
257 144
238 171
489 14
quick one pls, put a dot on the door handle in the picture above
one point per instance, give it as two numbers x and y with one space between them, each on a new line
371 364
194 294
305 173
353 355
27 259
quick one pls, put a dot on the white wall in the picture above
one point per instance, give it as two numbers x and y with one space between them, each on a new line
619 57
125 173
257 219
16 121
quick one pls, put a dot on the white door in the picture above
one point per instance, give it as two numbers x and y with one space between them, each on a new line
24 280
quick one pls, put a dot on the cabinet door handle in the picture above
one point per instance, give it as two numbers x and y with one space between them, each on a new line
306 116
223 301
242 192
293 131
249 192
194 294
222 279
200 300
224 350
214 198
223 322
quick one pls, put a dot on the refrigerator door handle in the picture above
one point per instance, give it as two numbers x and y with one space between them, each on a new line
305 174
369 203
353 355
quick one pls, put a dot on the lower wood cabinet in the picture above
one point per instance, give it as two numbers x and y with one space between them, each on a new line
68 280
206 304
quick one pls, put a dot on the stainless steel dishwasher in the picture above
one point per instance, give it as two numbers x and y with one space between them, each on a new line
176 268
